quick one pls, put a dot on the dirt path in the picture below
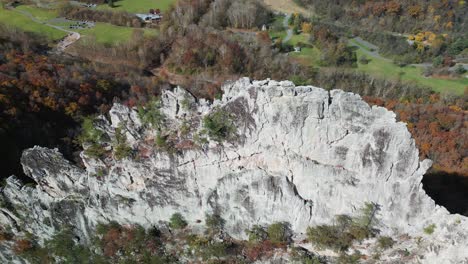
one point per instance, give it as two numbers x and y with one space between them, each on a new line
71 38
289 31
286 6
68 40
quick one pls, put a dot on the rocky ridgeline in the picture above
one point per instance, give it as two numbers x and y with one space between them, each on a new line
299 155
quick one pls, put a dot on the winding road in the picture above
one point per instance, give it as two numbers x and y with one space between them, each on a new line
289 31
370 49
373 51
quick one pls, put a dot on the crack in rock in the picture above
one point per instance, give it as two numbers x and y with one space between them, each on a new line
288 167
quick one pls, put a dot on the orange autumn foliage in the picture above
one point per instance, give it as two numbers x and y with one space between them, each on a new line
440 131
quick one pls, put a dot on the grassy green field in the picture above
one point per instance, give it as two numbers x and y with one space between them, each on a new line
39 13
387 69
355 43
278 34
295 39
277 22
304 38
24 23
308 56
102 32
378 67
110 34
138 6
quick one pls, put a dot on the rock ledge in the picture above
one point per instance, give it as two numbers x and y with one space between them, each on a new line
302 155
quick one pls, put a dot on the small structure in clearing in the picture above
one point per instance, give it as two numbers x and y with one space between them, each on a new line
153 16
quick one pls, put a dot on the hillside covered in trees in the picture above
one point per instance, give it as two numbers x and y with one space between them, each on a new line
396 16
410 57
198 48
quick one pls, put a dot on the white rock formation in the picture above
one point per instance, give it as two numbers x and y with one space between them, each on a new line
302 155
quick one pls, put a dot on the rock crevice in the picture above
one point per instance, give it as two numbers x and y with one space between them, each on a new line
302 155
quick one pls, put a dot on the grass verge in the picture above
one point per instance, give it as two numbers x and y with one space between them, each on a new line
138 6
24 23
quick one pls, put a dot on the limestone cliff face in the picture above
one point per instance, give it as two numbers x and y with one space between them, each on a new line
301 155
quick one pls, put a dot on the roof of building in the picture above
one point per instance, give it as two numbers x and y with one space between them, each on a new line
149 16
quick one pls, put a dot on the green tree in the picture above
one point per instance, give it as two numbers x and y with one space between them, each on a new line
349 259
177 221
429 229
437 61
460 69
385 242
346 230
367 217
300 255
326 236
151 114
89 133
63 245
364 60
257 234
278 233
92 137
219 125
214 222
121 147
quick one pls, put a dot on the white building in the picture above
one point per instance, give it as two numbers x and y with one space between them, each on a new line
149 18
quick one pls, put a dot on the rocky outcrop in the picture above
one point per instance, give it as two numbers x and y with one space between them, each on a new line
300 155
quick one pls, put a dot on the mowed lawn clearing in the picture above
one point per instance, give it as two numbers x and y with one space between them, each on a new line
387 69
109 34
295 39
278 34
138 6
307 56
301 38
17 20
39 13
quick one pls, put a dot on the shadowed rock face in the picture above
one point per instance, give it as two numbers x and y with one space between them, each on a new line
301 155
